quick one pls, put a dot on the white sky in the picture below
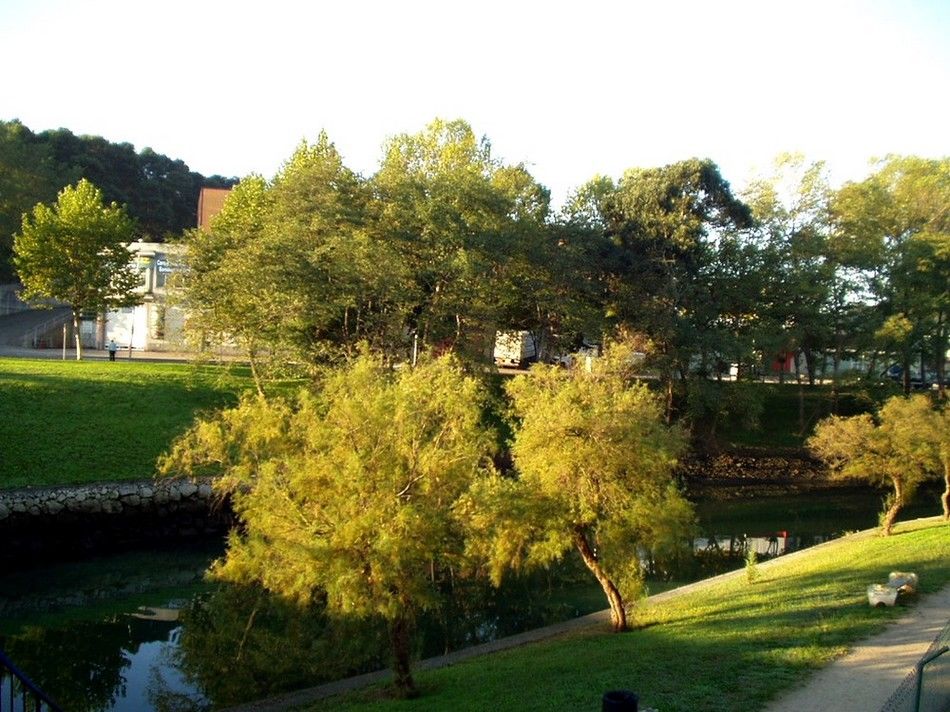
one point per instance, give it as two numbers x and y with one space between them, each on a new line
570 88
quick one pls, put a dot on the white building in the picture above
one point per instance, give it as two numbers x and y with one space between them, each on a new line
153 324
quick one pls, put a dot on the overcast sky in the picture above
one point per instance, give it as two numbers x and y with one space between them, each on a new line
572 89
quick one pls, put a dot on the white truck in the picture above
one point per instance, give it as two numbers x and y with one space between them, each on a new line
514 348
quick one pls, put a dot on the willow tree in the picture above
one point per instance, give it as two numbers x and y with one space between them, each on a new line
75 251
899 448
594 465
346 495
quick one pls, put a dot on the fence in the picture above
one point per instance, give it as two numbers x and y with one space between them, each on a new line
18 693
927 687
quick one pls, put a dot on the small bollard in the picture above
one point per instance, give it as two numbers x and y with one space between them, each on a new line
619 701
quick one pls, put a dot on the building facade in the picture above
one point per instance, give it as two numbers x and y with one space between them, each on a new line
153 324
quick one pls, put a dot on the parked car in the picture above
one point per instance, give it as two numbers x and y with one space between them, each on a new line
895 372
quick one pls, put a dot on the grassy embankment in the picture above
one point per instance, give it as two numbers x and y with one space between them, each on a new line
725 645
68 422
72 422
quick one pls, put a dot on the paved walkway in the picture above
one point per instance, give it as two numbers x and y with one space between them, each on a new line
103 355
865 679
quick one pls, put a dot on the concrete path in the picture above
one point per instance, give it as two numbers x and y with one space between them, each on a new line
103 355
865 679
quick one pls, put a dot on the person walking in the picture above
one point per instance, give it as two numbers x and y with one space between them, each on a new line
112 349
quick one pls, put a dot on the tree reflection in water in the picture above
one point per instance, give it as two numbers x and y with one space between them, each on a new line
240 643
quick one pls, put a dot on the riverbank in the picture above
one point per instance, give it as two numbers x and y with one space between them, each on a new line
72 521
721 644
69 422
731 473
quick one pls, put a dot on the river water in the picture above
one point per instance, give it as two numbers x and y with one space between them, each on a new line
142 631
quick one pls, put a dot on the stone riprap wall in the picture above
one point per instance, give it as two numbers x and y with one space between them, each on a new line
742 468
740 475
41 522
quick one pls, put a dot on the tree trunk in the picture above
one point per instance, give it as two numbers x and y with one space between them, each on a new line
76 335
400 637
945 499
254 372
836 364
618 616
810 367
891 514
801 394
669 400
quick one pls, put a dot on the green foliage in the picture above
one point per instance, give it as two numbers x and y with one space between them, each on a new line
347 493
159 193
711 405
75 252
895 230
471 235
899 449
801 311
593 461
680 270
28 176
290 270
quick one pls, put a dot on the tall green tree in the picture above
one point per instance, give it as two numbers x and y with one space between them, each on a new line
791 208
543 279
665 225
593 464
75 251
289 270
345 283
347 493
28 175
895 228
896 449
463 223
221 289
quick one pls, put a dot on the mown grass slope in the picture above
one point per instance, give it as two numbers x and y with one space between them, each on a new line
724 645
71 422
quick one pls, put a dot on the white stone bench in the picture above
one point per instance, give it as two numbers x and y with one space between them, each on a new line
898 583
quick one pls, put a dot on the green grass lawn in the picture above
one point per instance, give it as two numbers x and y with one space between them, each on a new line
71 422
725 645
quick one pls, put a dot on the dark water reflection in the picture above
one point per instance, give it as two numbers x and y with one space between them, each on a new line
143 632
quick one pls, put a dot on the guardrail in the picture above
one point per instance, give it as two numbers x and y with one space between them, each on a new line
18 693
933 693
45 326
927 687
